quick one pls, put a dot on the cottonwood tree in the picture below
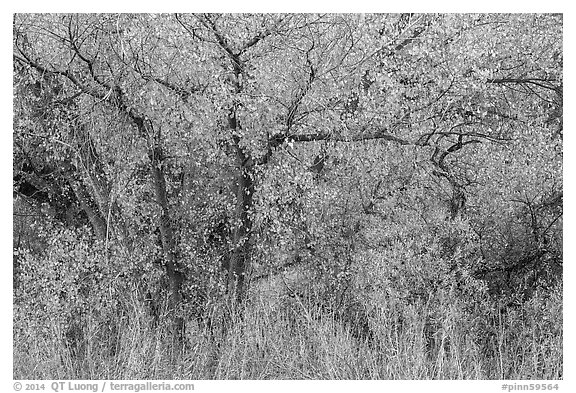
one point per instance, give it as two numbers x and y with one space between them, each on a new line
215 107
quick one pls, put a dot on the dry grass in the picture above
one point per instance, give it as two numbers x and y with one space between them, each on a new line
288 341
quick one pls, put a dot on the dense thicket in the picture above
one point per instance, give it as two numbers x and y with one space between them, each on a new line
392 182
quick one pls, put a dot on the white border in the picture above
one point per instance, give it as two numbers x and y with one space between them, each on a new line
566 385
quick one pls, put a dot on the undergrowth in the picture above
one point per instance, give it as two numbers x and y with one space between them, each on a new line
294 340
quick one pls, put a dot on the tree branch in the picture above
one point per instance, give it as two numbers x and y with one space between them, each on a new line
24 59
209 24
415 34
543 83
261 36
89 62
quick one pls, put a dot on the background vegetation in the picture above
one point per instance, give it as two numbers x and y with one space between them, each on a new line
287 196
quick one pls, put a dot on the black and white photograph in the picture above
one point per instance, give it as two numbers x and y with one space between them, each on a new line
288 196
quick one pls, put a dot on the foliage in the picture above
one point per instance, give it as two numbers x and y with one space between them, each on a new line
393 180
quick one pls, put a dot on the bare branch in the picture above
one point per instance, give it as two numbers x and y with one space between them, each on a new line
24 59
261 35
365 136
546 83
209 24
183 93
296 103
89 62
415 34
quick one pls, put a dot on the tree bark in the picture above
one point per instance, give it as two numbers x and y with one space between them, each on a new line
175 276
241 255
89 207
173 273
98 182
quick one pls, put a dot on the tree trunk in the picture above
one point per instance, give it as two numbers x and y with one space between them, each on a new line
97 180
242 241
86 200
88 205
242 235
174 275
